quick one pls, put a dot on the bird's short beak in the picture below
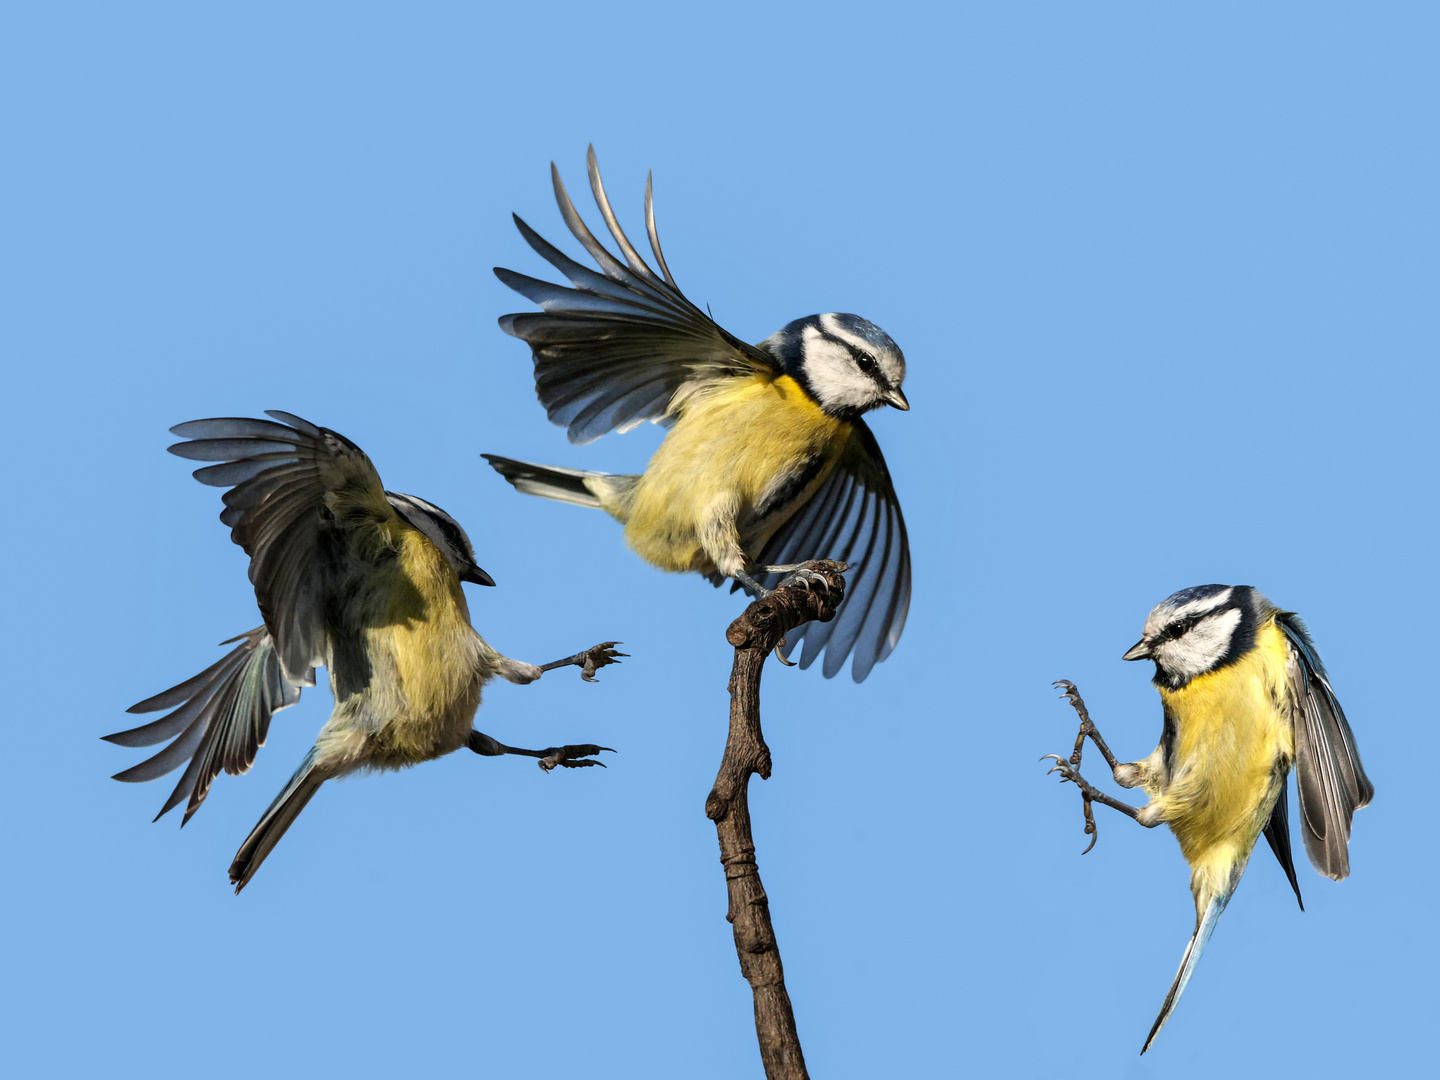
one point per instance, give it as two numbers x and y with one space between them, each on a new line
897 398
476 576
1138 651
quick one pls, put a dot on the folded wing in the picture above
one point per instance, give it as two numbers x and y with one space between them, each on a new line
855 518
615 349
1328 774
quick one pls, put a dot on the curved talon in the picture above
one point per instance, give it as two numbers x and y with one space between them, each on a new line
1063 766
807 578
572 757
781 656
1068 772
599 656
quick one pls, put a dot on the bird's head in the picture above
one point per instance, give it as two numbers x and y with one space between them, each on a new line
444 532
847 364
1199 630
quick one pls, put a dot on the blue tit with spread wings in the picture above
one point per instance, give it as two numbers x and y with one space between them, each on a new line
768 462
349 576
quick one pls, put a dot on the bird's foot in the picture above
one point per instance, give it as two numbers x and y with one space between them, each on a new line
591 660
596 657
807 574
1070 772
760 591
571 757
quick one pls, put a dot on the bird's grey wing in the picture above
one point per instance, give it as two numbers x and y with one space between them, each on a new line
853 517
300 496
1328 775
615 349
219 720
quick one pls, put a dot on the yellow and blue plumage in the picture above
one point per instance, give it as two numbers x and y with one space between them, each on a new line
363 581
1245 698
768 461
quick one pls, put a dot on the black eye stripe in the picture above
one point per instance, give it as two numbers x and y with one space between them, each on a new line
856 353
1185 625
452 533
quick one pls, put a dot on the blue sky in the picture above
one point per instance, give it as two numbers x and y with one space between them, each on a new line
1165 278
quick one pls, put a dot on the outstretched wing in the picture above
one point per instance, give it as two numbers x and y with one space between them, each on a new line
615 349
222 718
301 497
854 517
1328 775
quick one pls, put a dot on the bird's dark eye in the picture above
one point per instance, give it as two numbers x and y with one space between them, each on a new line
865 362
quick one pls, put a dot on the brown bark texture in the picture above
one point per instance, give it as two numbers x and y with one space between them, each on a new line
755 635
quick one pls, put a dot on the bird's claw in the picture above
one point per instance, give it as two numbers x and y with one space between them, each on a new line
1063 766
781 656
594 658
807 576
572 757
1070 772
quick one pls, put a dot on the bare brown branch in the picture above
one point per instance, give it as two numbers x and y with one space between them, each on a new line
755 635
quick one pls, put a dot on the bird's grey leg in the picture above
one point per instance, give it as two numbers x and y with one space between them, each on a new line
1070 770
593 658
521 673
1127 774
565 757
751 584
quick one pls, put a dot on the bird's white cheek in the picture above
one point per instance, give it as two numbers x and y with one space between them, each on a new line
835 386
1202 648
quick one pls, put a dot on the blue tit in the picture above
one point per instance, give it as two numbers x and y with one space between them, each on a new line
350 576
768 462
1245 699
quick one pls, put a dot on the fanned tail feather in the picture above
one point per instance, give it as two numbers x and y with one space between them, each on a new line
1203 929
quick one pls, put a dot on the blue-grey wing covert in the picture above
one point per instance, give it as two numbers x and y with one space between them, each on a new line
1328 774
855 518
614 350
219 720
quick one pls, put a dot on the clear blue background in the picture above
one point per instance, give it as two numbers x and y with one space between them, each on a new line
1166 280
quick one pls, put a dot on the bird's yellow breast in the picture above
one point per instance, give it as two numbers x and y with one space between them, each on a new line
426 636
1233 735
732 446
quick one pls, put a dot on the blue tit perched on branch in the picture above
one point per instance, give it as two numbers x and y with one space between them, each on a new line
1245 698
350 576
768 462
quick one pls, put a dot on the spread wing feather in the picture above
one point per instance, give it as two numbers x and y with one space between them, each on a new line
613 350
854 517
297 492
222 718
1328 774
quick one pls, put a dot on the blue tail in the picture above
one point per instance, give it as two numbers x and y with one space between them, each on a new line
272 825
1203 929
